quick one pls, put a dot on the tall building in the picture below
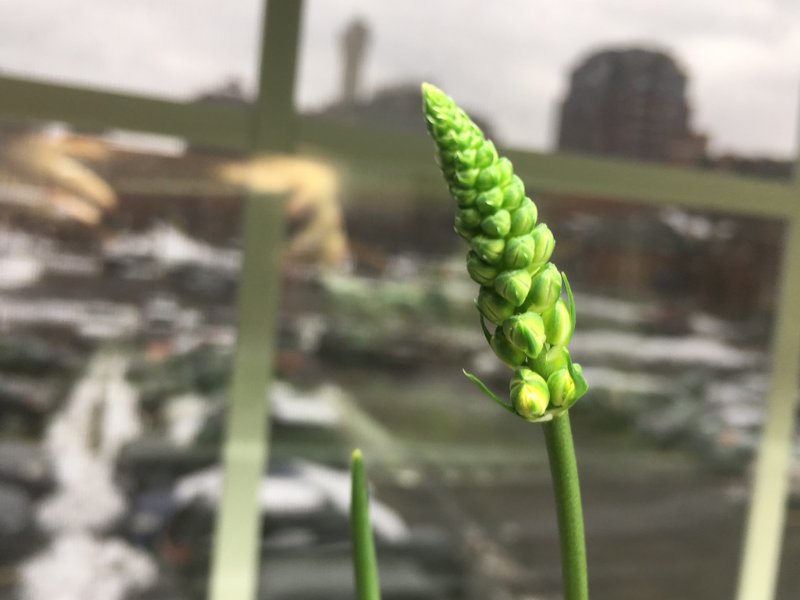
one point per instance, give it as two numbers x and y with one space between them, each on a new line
394 106
354 45
629 102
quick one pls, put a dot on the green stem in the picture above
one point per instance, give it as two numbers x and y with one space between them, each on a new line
564 471
364 562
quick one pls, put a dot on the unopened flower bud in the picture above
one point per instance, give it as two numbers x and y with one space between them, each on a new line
469 138
505 169
485 155
446 159
529 393
576 371
442 129
558 324
526 332
480 271
488 178
561 387
488 249
513 193
547 363
465 159
519 252
505 350
448 140
545 289
497 225
465 197
469 218
493 306
513 285
465 232
545 244
523 219
489 201
467 177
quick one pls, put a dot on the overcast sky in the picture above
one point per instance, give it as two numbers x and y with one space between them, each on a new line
507 59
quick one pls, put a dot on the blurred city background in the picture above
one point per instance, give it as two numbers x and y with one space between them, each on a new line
120 256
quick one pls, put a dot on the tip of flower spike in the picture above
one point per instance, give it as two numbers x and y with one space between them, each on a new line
432 96
430 91
356 457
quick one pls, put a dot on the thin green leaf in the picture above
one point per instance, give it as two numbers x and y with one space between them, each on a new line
581 386
486 332
489 392
572 315
365 563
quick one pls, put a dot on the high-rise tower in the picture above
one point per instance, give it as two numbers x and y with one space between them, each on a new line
354 44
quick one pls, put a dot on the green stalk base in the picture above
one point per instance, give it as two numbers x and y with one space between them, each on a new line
564 471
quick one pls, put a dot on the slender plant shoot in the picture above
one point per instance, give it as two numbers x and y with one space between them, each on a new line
521 296
364 562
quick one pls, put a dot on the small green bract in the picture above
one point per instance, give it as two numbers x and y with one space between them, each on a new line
509 258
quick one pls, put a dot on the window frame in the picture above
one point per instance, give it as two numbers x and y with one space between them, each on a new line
271 125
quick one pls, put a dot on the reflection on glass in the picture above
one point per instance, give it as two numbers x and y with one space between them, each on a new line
175 49
119 263
118 269
117 274
645 84
675 308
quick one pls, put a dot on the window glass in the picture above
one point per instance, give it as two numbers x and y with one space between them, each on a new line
674 323
675 306
119 258
704 85
181 50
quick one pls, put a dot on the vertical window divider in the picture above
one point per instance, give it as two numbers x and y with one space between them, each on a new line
245 454
764 529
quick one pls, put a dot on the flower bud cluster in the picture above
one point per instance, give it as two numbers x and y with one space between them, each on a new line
509 258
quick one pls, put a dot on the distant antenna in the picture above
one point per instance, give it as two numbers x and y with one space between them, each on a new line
354 44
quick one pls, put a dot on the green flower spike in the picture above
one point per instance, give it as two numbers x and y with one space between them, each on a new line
521 291
509 259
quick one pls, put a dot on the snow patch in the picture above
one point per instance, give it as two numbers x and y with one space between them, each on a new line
82 444
637 348
79 566
317 408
